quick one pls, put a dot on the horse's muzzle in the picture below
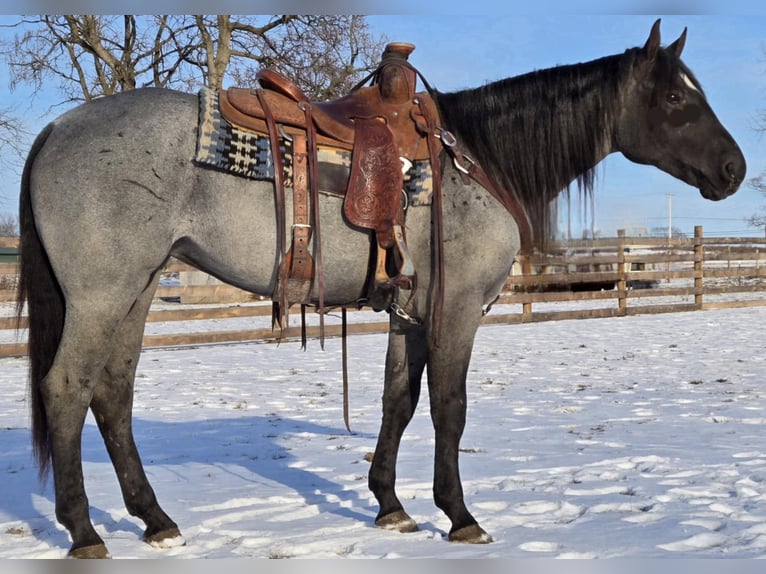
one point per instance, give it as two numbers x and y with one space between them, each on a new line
735 168
730 177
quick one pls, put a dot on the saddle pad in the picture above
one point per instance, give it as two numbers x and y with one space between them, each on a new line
232 149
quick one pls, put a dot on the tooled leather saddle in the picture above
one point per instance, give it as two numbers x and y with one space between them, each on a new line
383 125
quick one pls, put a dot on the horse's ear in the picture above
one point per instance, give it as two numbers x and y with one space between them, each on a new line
653 43
678 46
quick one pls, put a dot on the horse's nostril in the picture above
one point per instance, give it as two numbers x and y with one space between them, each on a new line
734 169
731 171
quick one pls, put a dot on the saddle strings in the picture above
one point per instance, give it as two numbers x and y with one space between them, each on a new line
279 307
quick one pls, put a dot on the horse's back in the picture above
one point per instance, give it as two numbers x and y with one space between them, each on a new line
92 148
116 186
109 181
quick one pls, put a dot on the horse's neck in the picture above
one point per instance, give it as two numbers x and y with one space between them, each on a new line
547 126
536 134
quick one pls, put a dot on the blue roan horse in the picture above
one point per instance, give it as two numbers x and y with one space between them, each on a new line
110 192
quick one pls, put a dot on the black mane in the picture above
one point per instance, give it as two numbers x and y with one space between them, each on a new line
536 133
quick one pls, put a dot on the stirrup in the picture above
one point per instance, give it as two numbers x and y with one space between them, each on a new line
406 278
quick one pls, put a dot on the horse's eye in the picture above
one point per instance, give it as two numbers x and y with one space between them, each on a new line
673 98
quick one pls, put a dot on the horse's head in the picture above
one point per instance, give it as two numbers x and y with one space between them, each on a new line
667 122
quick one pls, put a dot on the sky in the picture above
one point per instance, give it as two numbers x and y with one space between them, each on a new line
727 53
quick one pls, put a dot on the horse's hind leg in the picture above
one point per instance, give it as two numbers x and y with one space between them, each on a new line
66 392
112 408
405 360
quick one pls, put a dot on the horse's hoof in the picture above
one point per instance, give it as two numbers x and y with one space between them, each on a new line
89 552
168 538
399 521
473 534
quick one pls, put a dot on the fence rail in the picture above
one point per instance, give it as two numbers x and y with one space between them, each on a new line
574 280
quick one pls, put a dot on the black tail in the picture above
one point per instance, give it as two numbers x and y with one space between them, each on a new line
40 290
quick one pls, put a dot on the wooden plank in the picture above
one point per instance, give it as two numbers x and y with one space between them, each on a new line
205 313
170 291
597 277
631 242
579 259
733 241
733 304
212 337
10 323
656 309
265 334
556 296
566 278
191 314
730 272
8 268
9 241
723 290
659 258
539 316
7 295
734 256
177 266
660 275
661 292
13 349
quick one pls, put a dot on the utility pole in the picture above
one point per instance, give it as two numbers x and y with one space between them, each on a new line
670 216
670 226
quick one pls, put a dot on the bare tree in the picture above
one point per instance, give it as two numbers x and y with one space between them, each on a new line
11 132
325 55
9 225
95 55
759 182
758 219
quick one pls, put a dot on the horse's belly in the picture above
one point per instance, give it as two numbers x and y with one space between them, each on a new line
235 239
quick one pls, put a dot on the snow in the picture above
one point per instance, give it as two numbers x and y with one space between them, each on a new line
632 437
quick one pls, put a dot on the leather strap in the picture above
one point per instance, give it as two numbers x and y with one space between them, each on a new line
279 300
344 365
313 169
437 217
299 263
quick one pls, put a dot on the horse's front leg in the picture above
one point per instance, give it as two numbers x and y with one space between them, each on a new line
447 372
405 361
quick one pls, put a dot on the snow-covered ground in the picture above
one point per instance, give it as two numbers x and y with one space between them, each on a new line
638 437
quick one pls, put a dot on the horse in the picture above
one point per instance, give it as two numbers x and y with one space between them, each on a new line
110 192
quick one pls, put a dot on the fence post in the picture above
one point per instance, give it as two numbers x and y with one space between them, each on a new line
622 283
526 271
699 257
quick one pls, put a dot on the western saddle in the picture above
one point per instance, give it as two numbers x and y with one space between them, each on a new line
386 126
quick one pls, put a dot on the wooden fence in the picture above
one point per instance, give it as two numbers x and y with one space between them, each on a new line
573 280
